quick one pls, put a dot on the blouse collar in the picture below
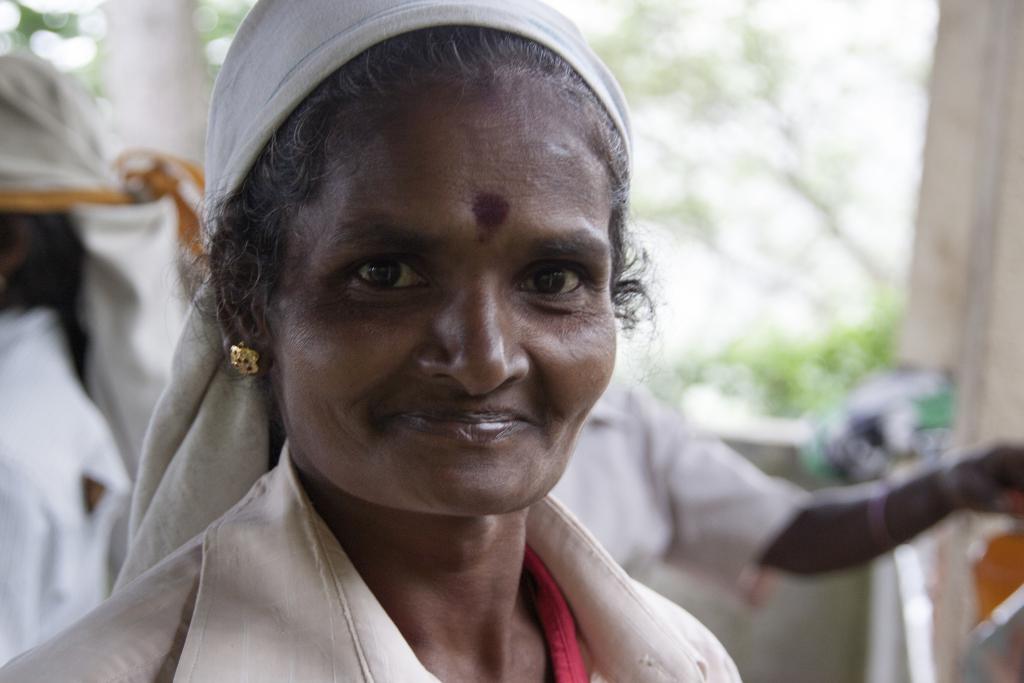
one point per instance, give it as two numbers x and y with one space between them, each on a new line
280 600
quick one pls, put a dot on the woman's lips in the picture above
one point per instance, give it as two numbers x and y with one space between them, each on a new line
477 428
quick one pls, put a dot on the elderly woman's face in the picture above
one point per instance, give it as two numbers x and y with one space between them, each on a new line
443 323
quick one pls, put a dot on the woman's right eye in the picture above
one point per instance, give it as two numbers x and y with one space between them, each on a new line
388 274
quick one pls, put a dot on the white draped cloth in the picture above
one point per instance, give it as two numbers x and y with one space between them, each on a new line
53 549
266 593
54 137
56 556
54 141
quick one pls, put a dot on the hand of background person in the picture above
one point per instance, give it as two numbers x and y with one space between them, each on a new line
986 480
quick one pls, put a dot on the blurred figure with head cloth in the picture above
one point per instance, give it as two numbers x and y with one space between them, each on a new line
88 295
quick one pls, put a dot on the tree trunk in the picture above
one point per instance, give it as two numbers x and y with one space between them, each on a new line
156 75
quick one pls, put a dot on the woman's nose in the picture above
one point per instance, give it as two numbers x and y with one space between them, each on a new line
476 343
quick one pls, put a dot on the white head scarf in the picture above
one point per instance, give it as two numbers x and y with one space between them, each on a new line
53 137
207 443
54 158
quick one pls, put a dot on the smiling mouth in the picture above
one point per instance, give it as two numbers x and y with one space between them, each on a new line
478 428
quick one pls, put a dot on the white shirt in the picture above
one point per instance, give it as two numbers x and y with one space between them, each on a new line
53 552
650 488
266 593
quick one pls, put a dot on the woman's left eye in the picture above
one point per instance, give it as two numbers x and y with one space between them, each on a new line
388 274
553 280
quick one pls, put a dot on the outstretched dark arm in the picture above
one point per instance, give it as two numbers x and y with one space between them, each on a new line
839 528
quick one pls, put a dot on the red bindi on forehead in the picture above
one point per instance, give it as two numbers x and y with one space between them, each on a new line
490 211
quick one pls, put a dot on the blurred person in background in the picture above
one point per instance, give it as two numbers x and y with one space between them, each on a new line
87 291
652 488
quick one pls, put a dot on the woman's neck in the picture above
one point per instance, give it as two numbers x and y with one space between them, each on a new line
452 585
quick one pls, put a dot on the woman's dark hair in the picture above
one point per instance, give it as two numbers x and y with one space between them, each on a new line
51 275
246 230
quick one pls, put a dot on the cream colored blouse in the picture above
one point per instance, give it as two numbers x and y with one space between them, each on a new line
266 593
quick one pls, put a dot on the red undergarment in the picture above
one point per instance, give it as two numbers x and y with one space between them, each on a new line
557 622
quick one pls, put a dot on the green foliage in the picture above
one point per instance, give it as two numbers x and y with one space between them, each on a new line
783 375
64 24
216 23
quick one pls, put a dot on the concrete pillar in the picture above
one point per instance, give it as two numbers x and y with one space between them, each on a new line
966 311
991 373
937 303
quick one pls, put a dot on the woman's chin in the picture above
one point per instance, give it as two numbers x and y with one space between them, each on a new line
481 493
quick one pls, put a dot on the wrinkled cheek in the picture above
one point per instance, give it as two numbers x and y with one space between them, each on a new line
601 361
575 370
582 366
315 382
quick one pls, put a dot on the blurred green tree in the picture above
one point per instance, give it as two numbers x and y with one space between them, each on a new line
775 372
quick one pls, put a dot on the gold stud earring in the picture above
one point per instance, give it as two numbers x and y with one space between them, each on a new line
244 360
